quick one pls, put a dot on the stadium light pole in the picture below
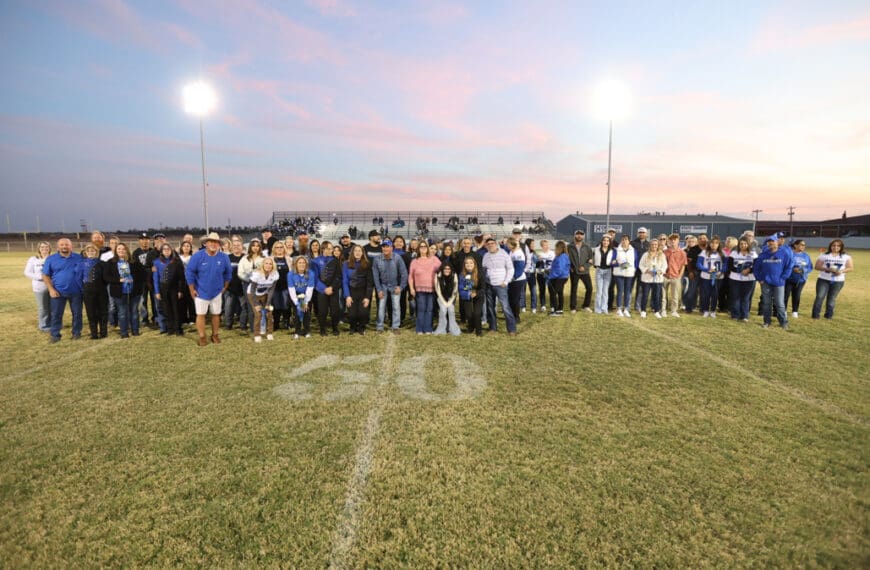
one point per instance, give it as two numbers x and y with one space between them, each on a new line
200 100
611 102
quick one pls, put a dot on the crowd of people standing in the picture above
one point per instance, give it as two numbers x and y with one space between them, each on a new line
271 284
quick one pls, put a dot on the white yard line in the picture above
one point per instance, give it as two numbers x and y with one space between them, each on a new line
349 519
63 359
784 388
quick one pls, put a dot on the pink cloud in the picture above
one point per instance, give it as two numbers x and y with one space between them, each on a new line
777 34
331 8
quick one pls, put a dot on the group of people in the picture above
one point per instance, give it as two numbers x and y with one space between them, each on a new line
274 284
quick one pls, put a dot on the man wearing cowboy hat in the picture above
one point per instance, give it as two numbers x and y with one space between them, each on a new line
208 274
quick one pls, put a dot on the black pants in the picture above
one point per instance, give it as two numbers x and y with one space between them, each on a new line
327 306
474 313
303 324
587 294
516 290
96 302
357 314
611 294
542 289
557 294
172 308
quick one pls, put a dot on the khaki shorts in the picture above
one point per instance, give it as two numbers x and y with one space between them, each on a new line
203 306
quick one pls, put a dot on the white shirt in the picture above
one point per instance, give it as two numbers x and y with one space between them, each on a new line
833 261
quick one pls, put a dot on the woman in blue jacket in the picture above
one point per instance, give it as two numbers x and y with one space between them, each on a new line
794 285
300 284
559 272
711 264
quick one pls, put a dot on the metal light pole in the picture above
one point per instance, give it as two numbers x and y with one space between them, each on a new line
204 184
609 156
199 100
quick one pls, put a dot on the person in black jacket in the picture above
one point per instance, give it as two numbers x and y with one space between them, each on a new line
94 293
328 288
358 288
126 278
169 282
580 256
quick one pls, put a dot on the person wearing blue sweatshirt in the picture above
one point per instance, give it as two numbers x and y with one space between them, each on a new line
300 284
208 275
803 265
560 270
327 270
61 274
772 268
517 286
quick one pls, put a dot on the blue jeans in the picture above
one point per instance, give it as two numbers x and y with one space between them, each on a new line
501 293
395 301
128 314
236 305
654 289
43 306
113 309
602 284
58 306
741 298
623 291
425 302
533 291
826 292
776 297
709 295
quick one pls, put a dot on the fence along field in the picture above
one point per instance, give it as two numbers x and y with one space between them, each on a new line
586 440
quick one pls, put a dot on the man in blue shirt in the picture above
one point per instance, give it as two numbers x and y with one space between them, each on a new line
208 274
62 276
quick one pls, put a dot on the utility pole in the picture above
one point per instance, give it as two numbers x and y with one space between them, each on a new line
791 221
756 212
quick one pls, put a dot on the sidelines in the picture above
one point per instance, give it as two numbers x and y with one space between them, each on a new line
66 358
348 520
788 390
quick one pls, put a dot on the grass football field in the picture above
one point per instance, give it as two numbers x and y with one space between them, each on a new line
586 441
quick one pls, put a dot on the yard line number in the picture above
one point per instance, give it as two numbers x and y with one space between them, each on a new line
354 378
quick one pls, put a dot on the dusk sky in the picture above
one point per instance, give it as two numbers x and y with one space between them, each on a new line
345 104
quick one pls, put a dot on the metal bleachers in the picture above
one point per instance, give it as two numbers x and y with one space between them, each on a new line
445 224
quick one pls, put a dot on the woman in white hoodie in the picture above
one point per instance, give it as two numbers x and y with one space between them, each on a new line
33 270
624 275
653 266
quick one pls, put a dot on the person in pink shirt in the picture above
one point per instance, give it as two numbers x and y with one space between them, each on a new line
421 286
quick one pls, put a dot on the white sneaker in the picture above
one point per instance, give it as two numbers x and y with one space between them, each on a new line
295 337
534 311
713 315
675 314
258 338
573 311
523 310
270 337
543 308
643 314
794 315
625 313
658 315
706 314
618 312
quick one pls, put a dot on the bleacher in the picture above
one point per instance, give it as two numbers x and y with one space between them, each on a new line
438 225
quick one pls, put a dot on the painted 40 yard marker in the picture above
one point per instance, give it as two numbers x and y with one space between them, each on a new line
355 376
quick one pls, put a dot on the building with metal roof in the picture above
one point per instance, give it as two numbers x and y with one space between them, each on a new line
595 225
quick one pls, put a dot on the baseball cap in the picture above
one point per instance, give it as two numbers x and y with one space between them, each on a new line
374 233
159 235
345 235
580 232
517 231
644 230
387 243
143 235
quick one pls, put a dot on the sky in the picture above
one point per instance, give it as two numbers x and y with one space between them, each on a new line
354 105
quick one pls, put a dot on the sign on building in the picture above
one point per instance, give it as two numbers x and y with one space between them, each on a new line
602 228
693 230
